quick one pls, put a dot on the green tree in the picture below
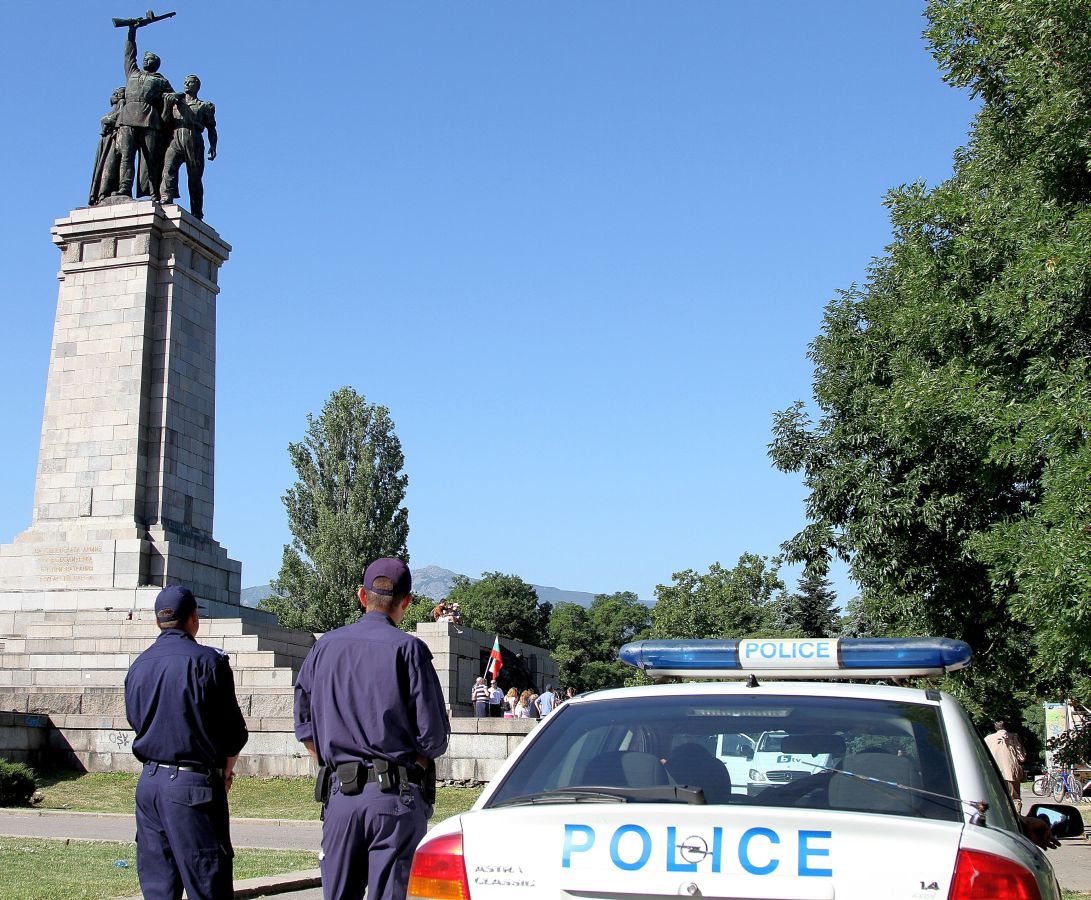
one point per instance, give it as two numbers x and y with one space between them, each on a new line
420 610
585 642
950 461
722 603
503 604
811 611
344 511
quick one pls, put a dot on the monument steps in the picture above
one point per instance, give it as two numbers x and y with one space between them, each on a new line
68 651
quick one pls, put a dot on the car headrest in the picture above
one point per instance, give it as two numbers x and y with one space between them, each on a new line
813 744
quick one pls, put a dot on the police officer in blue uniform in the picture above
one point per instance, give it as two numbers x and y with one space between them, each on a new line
369 709
180 701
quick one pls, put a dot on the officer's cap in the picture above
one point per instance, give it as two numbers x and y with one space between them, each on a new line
174 604
394 569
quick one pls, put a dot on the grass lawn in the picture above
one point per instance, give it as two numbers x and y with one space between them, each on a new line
250 798
35 869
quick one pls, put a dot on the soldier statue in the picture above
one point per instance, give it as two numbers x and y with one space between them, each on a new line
105 176
140 118
189 117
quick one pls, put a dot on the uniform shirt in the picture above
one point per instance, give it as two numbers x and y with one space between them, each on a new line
370 690
180 701
143 93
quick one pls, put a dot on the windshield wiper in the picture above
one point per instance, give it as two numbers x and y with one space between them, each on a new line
597 794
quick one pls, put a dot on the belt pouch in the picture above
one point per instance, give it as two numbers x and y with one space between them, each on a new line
387 782
351 776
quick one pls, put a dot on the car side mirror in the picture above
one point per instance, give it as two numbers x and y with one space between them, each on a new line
747 752
1064 821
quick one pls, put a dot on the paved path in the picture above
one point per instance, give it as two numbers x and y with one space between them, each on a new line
272 834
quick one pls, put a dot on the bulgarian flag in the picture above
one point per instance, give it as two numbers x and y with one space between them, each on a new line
495 662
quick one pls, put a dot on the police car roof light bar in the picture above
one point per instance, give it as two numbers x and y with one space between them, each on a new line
859 658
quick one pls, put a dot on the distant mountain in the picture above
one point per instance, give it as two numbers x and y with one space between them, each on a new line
435 582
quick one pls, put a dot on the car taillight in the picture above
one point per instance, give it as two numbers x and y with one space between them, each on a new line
983 876
439 872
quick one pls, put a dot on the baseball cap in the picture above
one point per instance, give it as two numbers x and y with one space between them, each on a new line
174 604
394 569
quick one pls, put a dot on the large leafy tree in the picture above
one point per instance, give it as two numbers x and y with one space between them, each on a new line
950 460
503 604
721 603
585 642
344 511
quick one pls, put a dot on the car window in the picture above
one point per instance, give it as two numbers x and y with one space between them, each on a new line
854 754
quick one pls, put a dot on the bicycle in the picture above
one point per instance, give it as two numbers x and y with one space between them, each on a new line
1043 784
1068 785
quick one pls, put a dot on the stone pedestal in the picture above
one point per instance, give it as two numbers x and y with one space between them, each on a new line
124 495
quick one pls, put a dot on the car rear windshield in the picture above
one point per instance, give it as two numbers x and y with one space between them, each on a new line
850 754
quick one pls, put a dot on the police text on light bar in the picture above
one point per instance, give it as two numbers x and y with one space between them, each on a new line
871 658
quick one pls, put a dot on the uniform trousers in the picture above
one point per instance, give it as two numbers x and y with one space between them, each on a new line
187 146
368 841
183 836
133 141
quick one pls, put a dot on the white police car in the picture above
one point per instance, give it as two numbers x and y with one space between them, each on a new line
620 794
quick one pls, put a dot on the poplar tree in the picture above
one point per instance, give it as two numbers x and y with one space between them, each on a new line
344 511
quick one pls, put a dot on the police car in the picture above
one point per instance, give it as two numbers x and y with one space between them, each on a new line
620 794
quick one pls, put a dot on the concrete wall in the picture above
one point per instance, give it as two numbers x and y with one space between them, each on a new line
457 655
102 743
23 738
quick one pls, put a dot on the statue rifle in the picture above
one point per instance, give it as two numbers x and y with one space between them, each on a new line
141 22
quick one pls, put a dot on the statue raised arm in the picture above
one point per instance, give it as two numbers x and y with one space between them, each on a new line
140 118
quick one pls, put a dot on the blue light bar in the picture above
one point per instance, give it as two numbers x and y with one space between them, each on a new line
863 658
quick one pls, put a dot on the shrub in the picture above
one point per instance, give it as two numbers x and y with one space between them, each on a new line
17 784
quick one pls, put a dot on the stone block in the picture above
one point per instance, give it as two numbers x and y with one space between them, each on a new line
54 703
479 746
485 769
13 701
270 706
103 703
285 724
454 768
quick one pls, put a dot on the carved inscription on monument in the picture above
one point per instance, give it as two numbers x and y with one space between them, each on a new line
72 563
66 564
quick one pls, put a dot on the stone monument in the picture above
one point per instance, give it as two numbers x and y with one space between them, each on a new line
124 495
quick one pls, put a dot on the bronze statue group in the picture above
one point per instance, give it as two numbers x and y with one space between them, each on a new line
149 122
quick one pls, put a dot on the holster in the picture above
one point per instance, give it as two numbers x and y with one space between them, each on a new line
322 784
428 783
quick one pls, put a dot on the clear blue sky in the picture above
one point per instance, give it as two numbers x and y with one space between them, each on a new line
578 248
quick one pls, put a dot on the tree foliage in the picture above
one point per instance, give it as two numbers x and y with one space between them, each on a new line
810 611
503 604
950 463
344 511
585 642
721 603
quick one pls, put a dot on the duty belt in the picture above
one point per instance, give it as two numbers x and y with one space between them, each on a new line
352 776
187 767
